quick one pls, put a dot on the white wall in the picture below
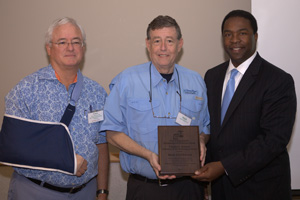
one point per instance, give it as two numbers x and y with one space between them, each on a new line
279 43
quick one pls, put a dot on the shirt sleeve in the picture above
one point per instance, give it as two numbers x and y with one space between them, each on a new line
114 111
15 100
206 121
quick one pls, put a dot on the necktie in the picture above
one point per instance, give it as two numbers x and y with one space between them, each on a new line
228 93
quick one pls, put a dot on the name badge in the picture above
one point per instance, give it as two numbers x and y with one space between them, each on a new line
95 116
183 120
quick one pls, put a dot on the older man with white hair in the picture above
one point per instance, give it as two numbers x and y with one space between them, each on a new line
47 97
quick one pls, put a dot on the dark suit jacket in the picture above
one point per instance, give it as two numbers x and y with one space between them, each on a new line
251 142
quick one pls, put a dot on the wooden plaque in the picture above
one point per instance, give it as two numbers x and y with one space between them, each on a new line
179 150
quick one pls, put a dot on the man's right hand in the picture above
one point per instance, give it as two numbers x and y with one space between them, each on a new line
153 159
209 172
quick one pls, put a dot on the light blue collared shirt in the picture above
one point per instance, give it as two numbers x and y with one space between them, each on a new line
242 68
129 110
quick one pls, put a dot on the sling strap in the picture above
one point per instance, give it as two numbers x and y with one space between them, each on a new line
70 110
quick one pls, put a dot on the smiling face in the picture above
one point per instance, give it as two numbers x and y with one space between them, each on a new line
238 39
69 56
163 47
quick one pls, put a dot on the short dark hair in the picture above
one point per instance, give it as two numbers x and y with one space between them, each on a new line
244 14
161 22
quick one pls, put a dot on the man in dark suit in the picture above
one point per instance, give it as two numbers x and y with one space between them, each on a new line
247 155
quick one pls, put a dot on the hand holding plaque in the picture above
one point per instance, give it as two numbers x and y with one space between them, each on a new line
179 150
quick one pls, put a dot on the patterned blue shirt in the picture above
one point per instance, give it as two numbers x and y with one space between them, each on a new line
40 96
128 109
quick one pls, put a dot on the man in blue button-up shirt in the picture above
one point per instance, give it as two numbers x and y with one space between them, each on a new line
146 96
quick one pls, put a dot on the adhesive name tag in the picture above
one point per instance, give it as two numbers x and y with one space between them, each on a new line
183 120
95 116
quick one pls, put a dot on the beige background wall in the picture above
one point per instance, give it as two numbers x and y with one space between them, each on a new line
116 31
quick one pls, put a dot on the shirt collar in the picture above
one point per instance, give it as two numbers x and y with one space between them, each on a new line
156 76
58 78
242 68
49 73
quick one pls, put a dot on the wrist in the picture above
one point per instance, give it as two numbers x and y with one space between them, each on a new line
203 138
102 191
148 155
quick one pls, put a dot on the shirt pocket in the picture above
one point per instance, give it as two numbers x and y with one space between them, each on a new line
140 110
142 124
192 108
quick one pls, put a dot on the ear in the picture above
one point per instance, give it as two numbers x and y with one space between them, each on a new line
48 48
256 36
180 45
147 44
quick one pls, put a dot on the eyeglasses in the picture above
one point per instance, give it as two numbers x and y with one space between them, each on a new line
150 96
64 44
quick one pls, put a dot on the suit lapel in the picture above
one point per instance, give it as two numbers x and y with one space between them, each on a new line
243 87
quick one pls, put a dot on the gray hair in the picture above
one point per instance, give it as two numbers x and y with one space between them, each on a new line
62 21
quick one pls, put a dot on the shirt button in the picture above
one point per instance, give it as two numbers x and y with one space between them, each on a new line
73 129
166 93
169 114
164 80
